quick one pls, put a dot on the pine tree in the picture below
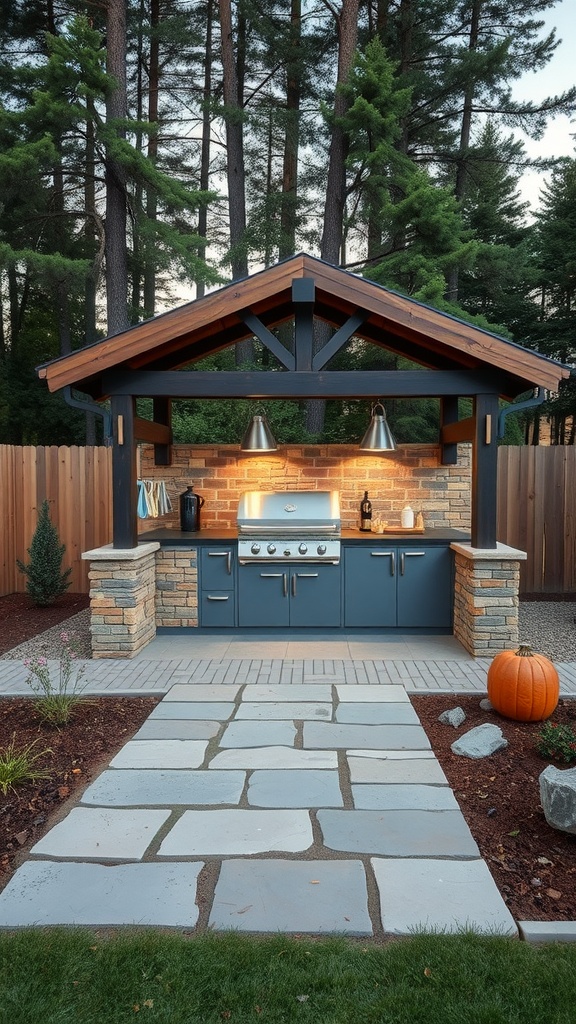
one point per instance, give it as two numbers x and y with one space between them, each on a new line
45 580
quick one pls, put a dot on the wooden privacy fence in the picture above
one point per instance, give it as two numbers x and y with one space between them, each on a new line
536 509
77 483
537 513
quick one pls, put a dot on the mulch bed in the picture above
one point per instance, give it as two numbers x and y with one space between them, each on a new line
534 865
73 756
21 619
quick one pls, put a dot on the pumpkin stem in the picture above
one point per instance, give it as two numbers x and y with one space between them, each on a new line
525 651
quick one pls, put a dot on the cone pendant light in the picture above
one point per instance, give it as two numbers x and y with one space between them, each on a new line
258 437
378 437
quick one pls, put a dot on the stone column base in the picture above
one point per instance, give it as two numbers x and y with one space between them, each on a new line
486 589
122 590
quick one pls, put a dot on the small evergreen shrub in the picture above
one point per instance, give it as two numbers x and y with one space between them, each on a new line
557 742
45 579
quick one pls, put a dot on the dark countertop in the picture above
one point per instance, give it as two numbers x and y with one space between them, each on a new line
224 535
444 535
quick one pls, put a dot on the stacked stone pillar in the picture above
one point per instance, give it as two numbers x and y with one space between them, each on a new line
486 587
122 599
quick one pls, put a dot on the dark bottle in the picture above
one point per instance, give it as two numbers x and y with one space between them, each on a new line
366 513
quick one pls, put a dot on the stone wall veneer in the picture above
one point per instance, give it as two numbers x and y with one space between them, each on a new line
413 475
122 599
486 588
177 586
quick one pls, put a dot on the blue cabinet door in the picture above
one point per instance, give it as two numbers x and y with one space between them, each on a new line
263 595
217 608
424 586
315 596
370 586
217 565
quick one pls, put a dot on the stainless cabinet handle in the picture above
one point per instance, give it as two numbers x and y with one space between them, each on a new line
223 554
210 597
285 584
386 554
409 554
294 585
307 575
271 575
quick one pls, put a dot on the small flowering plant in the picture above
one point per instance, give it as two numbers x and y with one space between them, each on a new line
557 742
58 689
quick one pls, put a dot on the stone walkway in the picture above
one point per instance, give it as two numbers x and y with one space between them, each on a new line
310 808
278 786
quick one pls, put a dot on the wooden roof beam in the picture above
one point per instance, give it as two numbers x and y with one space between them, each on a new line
302 384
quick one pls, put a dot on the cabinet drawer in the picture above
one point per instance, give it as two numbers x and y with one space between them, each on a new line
218 567
217 608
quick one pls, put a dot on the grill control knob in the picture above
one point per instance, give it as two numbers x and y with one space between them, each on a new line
287 553
321 549
255 549
271 549
302 548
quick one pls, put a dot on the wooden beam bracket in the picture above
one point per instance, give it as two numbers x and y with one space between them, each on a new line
342 335
268 339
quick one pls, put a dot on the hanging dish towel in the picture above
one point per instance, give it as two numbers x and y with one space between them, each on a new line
143 510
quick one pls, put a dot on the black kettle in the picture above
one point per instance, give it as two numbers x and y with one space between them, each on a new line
190 505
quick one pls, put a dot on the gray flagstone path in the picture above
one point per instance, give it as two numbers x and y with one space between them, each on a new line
321 827
269 792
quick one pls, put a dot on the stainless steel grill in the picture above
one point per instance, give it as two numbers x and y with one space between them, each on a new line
289 526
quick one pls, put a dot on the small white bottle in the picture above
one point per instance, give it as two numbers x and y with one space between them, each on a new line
407 518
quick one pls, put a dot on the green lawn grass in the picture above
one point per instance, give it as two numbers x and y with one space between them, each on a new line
56 976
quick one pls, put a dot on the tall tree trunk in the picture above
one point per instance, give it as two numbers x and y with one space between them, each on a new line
236 177
332 234
206 124
347 24
465 133
289 201
115 176
137 259
151 194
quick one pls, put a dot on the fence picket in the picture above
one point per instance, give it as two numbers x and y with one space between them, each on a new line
78 485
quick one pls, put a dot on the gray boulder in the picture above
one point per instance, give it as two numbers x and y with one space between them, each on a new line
558 797
455 717
485 704
480 742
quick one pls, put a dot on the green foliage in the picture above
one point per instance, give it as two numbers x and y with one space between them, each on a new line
64 975
557 742
45 580
17 765
55 702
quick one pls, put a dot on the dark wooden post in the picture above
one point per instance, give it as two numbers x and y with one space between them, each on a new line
162 414
124 485
484 471
303 292
449 414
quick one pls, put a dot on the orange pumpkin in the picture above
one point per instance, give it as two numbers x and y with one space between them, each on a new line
523 685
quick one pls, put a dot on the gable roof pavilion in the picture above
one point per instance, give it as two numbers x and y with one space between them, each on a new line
457 360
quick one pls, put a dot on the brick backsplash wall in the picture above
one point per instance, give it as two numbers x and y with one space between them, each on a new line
411 475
